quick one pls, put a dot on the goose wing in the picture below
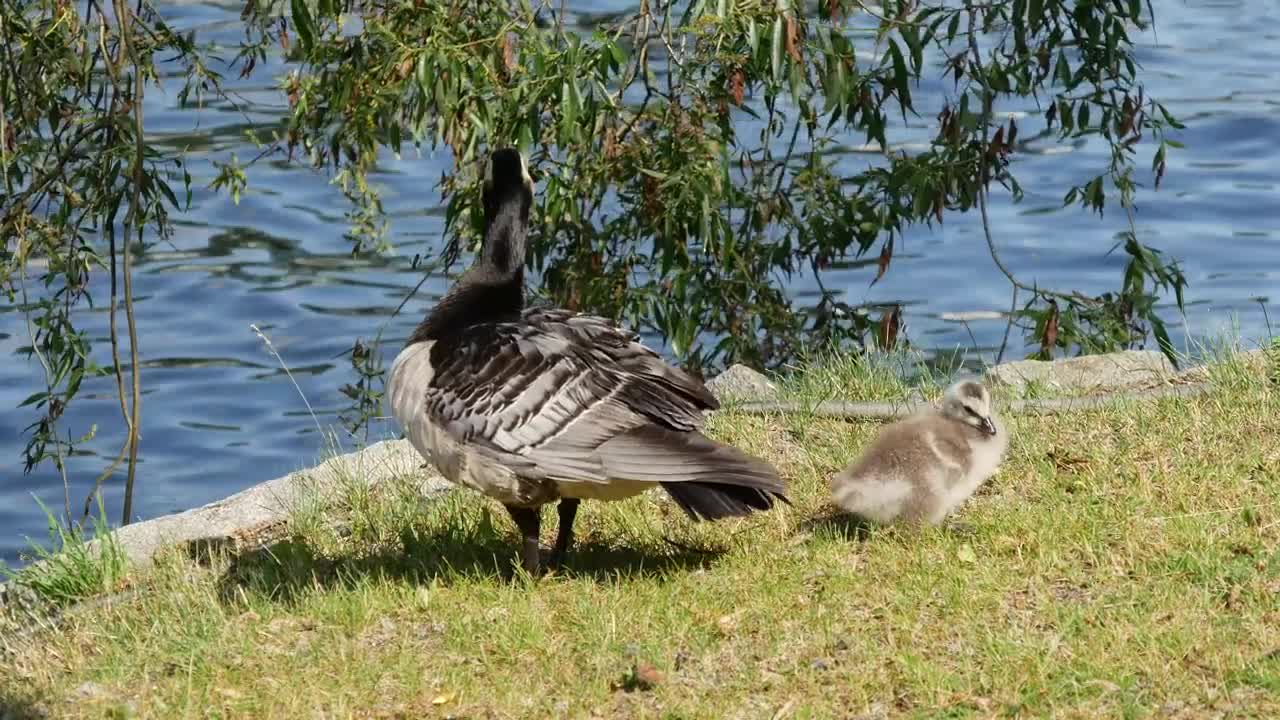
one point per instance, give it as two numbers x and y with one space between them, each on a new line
572 398
520 387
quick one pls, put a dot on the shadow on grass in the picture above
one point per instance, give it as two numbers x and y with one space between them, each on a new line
289 568
18 708
834 523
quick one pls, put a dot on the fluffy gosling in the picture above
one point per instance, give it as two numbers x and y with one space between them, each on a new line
920 469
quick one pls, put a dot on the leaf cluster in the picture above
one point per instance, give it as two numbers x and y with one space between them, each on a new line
684 154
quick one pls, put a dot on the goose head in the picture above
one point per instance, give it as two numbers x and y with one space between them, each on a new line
492 289
969 402
507 195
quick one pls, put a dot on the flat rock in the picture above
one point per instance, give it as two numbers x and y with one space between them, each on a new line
1255 360
259 513
1127 369
238 519
740 382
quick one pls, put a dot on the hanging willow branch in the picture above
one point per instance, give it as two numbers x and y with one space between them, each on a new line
73 155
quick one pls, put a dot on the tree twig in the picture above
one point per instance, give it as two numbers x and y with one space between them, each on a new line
117 368
135 218
1013 308
988 99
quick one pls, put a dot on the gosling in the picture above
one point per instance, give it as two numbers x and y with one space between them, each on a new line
920 469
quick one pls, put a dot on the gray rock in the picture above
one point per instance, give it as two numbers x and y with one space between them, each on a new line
1090 373
251 516
740 382
1255 360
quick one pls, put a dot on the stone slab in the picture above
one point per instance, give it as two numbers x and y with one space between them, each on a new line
740 382
247 516
1088 373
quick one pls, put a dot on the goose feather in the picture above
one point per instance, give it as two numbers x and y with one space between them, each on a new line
560 404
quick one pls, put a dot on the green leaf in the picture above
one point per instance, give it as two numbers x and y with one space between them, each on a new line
569 111
776 55
1035 15
34 398
1096 195
1162 339
303 23
1019 27
168 194
1062 71
901 78
619 55
1173 122
911 35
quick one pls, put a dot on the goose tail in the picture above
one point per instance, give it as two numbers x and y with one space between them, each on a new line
714 501
707 479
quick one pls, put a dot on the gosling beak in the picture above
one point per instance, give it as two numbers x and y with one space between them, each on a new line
988 427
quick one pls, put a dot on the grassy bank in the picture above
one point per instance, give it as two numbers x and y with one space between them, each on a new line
1124 562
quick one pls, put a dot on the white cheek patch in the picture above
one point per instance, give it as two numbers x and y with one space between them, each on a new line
524 172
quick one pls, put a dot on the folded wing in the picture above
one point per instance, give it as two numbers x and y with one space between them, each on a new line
572 398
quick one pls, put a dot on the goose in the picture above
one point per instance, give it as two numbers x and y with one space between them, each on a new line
920 469
531 406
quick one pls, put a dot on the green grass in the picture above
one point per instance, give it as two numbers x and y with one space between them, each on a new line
875 377
1125 562
71 569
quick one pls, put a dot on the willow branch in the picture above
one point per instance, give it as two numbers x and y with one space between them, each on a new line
117 369
134 218
987 101
1004 343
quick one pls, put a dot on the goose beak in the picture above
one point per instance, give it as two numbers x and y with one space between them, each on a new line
988 426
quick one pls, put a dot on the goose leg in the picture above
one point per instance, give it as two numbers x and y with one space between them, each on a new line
527 520
568 509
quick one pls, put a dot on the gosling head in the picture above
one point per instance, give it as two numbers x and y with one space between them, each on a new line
969 402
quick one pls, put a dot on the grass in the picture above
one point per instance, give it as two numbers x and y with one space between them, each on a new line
79 564
1125 562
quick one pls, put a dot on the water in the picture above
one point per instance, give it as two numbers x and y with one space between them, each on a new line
219 414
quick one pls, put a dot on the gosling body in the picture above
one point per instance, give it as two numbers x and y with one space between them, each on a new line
921 469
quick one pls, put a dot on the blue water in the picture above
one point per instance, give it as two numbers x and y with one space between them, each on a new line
219 414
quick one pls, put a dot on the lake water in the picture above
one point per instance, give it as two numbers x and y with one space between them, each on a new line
219 414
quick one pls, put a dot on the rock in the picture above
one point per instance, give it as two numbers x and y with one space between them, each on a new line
254 516
240 519
1255 360
1090 373
89 690
740 382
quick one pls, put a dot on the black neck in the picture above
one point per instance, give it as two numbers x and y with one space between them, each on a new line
492 289
506 227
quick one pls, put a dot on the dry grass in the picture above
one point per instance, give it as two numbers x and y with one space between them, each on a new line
1124 562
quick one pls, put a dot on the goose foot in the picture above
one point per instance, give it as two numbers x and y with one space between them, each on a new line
527 520
568 510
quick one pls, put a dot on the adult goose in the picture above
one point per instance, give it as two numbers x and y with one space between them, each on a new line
530 406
